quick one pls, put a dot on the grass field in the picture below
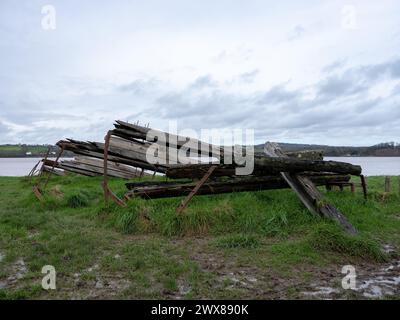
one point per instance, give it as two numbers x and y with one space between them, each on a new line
17 150
256 245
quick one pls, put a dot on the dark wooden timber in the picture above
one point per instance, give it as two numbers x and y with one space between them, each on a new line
309 194
266 166
398 178
306 154
165 189
387 184
364 185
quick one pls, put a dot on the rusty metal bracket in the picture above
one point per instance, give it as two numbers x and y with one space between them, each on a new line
32 172
53 166
37 193
192 193
108 194
37 190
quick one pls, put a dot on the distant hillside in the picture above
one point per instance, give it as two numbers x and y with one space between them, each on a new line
387 149
25 150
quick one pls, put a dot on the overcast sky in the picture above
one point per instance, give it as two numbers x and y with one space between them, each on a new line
324 72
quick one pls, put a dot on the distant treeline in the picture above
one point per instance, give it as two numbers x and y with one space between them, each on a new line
387 149
26 150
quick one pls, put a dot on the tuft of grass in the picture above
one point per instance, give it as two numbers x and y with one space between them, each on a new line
21 293
78 200
330 238
237 241
127 221
135 218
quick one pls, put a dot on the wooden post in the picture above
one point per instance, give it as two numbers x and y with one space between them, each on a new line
364 185
387 184
105 166
399 183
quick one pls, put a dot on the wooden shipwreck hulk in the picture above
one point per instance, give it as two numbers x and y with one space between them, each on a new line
125 152
274 169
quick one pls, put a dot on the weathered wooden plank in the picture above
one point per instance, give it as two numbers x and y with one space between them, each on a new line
387 184
90 150
266 166
162 189
66 165
306 154
92 167
112 165
398 182
309 194
170 140
53 171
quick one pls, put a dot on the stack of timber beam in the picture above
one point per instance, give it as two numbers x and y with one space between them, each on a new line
127 148
130 143
91 167
133 156
266 166
163 189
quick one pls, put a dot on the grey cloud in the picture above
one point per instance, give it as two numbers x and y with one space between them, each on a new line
396 90
337 86
206 110
27 117
249 76
3 128
203 82
276 113
278 94
334 66
338 108
297 32
374 72
365 106
138 86
357 80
